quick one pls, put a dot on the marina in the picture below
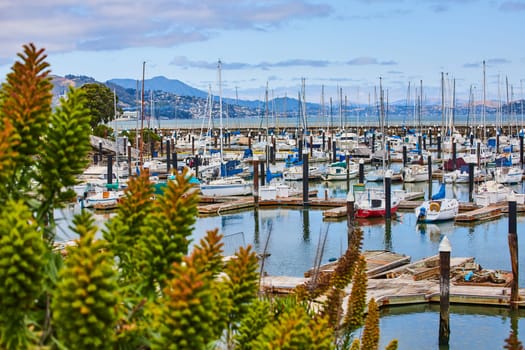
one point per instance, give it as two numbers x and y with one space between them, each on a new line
285 220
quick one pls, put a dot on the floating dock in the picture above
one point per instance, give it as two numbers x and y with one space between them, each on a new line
415 283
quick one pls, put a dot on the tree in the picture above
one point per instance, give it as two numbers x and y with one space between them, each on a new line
100 100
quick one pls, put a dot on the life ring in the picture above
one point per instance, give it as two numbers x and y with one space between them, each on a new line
434 206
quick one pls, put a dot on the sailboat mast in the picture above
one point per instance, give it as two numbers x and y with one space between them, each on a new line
484 103
220 104
142 116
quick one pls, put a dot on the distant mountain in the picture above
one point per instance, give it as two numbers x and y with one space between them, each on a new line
160 83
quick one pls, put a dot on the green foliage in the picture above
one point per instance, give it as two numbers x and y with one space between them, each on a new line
21 272
100 102
255 319
85 299
63 153
25 107
393 345
370 338
357 301
291 330
186 318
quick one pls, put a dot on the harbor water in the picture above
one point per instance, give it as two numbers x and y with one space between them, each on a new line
293 237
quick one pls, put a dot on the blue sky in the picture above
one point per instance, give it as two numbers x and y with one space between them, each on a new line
340 43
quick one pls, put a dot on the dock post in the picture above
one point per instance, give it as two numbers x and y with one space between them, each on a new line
305 178
175 162
196 166
444 291
497 142
324 141
439 146
100 150
192 145
110 169
388 155
168 155
347 161
255 180
311 145
419 145
263 175
513 247
273 150
388 194
429 161
424 142
373 142
454 152
161 146
430 137
471 139
470 182
521 151
478 153
334 151
300 142
129 159
350 214
404 156
361 171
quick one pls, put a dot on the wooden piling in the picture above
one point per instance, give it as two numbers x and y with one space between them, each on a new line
404 156
129 160
263 177
192 145
439 146
513 247
334 151
444 291
168 155
196 161
361 171
454 154
175 161
388 194
305 178
255 180
521 151
471 182
110 169
429 161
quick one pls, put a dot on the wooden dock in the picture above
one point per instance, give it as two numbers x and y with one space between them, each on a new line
377 262
414 283
488 212
224 205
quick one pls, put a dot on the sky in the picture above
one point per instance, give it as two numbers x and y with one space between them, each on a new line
349 47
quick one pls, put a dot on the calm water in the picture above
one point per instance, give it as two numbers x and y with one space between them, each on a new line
295 235
293 238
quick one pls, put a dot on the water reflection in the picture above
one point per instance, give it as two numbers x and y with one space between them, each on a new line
470 326
306 224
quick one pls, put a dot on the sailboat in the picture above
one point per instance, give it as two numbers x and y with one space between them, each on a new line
371 202
438 208
227 184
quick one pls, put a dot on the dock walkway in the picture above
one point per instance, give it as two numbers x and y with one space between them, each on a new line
411 284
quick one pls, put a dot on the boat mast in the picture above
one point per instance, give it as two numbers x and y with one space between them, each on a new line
142 116
220 104
484 103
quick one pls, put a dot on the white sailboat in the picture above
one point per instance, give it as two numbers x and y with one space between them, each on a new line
225 185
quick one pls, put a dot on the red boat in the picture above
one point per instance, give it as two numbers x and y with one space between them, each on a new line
370 203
